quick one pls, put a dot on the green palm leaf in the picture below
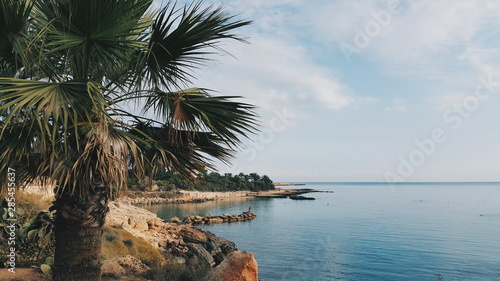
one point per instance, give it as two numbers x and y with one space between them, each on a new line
179 43
185 154
14 16
54 109
196 111
74 129
93 38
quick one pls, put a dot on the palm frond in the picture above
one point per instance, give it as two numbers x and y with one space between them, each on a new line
196 111
14 16
20 150
186 155
104 158
181 39
93 37
54 109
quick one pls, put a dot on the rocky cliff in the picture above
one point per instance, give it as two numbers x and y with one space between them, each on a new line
184 244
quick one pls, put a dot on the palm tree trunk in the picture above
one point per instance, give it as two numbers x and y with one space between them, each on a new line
78 252
78 229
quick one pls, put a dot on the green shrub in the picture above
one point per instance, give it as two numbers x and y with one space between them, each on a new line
34 230
181 272
128 243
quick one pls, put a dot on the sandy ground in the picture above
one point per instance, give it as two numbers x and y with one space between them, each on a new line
23 274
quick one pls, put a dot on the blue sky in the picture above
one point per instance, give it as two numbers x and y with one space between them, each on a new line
366 90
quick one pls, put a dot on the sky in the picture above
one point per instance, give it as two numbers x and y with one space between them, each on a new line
365 90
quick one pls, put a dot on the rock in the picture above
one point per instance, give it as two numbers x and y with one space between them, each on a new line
46 269
202 254
123 266
238 266
175 220
220 248
112 268
193 235
139 224
179 260
228 247
299 197
133 219
187 219
215 220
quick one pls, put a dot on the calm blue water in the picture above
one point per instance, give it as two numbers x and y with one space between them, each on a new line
368 232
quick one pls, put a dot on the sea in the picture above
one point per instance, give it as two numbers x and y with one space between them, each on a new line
367 231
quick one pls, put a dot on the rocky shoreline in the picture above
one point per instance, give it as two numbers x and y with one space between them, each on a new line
182 249
179 241
184 244
183 196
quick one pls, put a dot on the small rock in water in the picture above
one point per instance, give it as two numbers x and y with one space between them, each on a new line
298 197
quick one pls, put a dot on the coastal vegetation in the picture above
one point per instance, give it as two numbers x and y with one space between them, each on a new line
206 182
36 242
70 72
34 230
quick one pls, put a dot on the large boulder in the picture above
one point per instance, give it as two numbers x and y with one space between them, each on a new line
193 235
123 267
220 247
133 219
201 254
238 266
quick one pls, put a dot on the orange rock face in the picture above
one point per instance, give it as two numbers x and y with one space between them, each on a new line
238 266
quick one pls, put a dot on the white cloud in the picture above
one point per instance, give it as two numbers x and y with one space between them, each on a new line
426 28
483 60
423 39
397 105
447 101
274 73
445 41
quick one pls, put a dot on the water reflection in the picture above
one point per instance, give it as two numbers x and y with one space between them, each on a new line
216 207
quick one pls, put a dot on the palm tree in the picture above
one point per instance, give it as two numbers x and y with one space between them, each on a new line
72 74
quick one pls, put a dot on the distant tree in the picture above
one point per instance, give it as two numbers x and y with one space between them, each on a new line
216 182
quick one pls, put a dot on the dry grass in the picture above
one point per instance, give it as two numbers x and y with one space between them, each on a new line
31 204
119 242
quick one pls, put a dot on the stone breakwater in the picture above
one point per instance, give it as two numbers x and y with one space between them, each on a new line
210 219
